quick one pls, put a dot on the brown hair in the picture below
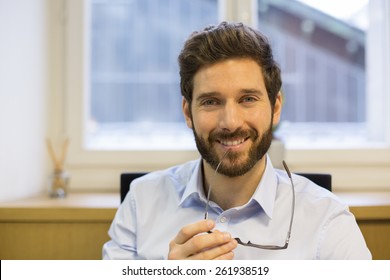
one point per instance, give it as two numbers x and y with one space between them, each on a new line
224 41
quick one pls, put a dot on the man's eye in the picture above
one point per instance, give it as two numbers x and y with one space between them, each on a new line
209 102
248 99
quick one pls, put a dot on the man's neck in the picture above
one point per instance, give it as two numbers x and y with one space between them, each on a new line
229 192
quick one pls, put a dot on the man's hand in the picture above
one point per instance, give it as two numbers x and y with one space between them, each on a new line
194 243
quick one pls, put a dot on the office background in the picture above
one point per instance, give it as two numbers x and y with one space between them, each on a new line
40 97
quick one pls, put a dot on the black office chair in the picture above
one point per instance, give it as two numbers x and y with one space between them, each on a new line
321 179
126 179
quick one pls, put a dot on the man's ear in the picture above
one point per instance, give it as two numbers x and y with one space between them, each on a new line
186 108
277 109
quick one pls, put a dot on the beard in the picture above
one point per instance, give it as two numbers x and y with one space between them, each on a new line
234 167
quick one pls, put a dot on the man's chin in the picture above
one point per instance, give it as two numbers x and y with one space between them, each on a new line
235 167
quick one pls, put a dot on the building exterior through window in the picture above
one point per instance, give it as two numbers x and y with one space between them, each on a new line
135 101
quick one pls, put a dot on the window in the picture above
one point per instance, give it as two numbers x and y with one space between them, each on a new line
134 96
100 149
135 101
321 50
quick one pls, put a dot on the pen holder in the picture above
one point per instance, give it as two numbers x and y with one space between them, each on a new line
58 184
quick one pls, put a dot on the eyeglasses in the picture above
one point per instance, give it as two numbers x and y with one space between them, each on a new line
250 244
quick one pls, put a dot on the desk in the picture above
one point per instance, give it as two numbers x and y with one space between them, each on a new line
43 228
372 212
76 227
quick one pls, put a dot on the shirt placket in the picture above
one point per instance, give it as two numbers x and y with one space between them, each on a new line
223 221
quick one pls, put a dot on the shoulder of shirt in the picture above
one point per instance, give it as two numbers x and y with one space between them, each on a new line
178 175
307 190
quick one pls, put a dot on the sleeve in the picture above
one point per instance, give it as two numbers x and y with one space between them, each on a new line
342 239
122 232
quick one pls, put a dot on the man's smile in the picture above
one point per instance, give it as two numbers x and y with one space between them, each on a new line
231 143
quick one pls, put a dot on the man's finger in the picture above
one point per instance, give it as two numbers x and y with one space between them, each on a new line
189 231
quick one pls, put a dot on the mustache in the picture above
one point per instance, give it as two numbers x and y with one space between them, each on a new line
240 133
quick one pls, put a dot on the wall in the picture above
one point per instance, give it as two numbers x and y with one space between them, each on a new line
23 95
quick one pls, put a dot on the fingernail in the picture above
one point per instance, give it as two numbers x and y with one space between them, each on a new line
227 236
210 223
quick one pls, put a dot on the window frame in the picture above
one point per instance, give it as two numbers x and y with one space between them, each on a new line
358 168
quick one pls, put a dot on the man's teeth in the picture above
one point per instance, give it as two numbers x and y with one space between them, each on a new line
232 143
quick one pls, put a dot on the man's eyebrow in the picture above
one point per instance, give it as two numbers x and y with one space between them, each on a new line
207 95
251 91
243 91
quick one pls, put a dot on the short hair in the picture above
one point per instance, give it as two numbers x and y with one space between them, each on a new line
224 41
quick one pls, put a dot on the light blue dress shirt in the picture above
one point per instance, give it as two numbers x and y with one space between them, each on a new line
159 204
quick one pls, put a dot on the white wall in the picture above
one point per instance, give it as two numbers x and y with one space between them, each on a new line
23 95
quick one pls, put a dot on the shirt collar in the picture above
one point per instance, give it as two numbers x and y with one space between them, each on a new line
264 195
194 188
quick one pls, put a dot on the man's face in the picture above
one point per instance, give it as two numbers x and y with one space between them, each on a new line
231 111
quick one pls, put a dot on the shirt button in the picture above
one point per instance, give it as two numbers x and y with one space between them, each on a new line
223 220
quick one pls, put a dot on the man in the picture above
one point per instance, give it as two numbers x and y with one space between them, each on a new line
212 207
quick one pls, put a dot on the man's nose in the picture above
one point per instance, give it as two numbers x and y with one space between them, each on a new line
231 117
